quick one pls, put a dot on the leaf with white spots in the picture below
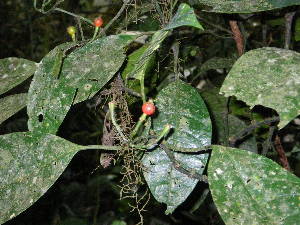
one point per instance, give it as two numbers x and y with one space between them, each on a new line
181 106
184 16
14 71
29 166
246 6
268 77
83 73
95 64
166 183
11 104
49 98
248 188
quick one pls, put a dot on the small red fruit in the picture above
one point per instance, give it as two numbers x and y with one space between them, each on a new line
98 22
148 108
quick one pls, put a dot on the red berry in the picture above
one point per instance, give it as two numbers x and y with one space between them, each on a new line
98 21
148 108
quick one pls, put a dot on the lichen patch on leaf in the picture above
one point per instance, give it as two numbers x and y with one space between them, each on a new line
11 104
248 188
14 71
268 77
29 166
246 6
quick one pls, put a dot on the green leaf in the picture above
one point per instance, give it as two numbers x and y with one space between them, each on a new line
146 71
29 166
83 73
96 63
248 188
49 98
58 61
144 59
166 183
181 106
184 16
14 71
268 77
119 222
133 59
246 6
11 104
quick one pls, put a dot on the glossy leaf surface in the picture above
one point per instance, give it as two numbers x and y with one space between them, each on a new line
246 6
248 188
14 71
11 104
268 77
166 183
29 165
184 16
181 106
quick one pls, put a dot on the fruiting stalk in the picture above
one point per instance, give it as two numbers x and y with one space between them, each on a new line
95 33
138 125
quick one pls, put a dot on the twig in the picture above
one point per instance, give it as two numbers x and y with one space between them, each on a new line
80 28
237 36
282 157
268 143
249 129
214 25
180 168
288 29
72 14
125 2
264 34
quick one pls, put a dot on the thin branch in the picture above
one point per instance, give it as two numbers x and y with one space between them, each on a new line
282 157
288 29
72 14
237 36
189 172
80 28
268 143
214 25
125 3
249 129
